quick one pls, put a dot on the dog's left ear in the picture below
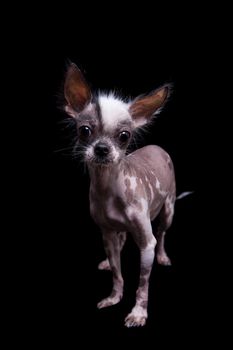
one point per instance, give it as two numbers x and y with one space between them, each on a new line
143 108
76 90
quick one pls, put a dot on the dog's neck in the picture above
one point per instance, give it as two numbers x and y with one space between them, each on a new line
102 176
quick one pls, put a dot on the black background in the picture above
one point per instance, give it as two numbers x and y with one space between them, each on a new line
73 243
65 245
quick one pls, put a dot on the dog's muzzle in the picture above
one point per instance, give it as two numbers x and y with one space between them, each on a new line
101 150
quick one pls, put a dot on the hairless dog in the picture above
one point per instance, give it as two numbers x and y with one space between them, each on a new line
127 192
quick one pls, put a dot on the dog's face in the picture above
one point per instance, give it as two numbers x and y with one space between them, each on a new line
104 129
106 123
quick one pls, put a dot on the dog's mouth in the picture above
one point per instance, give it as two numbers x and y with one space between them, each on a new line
99 161
102 156
102 161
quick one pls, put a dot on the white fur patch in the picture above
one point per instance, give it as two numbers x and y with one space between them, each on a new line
157 184
184 194
144 204
113 111
139 311
152 192
170 206
89 154
158 187
115 154
133 183
147 257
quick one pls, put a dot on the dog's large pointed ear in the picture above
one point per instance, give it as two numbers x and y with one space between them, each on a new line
76 91
143 108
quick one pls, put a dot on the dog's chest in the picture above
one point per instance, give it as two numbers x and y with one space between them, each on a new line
107 208
115 202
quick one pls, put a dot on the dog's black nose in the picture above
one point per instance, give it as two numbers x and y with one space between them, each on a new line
101 150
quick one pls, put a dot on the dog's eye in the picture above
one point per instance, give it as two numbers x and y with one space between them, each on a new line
84 132
124 136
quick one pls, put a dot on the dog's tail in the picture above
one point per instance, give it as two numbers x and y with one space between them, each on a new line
184 194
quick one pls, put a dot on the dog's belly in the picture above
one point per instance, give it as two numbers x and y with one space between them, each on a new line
155 209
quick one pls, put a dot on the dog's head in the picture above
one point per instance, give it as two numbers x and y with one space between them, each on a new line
106 123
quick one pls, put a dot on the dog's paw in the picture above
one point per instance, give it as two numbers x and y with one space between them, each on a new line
111 300
137 317
163 259
104 265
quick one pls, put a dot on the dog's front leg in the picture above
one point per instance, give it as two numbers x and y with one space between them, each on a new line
112 249
105 265
146 242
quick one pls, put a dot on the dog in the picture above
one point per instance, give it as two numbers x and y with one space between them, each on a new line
127 192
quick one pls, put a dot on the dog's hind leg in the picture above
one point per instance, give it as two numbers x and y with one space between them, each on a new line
165 220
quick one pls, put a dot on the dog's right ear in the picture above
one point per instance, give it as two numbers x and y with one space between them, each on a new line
76 91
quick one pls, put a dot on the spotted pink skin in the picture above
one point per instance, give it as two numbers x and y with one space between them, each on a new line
128 192
126 197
